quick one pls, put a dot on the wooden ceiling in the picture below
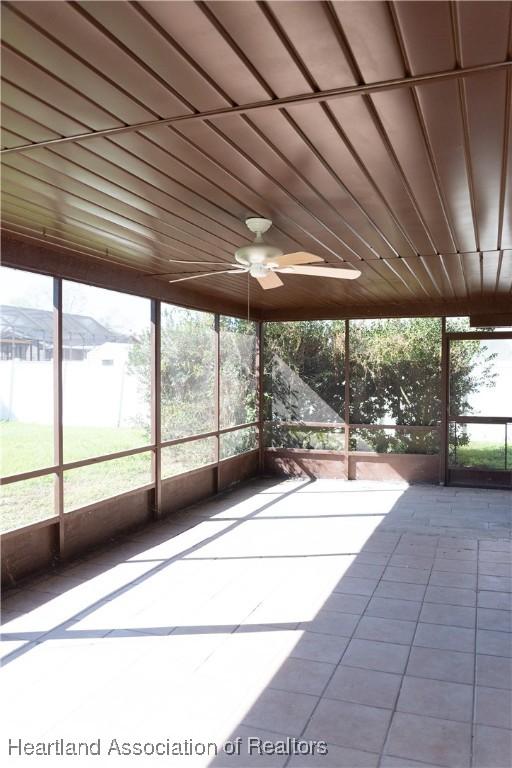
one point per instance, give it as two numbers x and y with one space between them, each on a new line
374 133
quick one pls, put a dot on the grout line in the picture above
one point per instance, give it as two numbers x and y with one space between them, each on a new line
473 707
403 677
350 637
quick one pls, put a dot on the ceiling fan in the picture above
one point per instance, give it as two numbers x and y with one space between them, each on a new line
263 261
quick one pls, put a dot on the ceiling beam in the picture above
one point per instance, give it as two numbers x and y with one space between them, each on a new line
24 252
305 98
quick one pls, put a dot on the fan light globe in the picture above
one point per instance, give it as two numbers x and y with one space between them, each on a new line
258 270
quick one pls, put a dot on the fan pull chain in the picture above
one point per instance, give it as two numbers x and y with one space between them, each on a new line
248 295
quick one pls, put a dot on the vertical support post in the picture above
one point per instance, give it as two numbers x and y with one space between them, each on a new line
156 402
347 399
261 414
217 403
58 446
445 397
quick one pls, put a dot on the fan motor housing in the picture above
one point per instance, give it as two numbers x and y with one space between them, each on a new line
256 253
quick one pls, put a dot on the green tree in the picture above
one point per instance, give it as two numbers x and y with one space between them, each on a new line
395 377
188 344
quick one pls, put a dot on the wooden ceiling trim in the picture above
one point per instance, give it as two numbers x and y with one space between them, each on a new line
505 156
179 193
83 208
179 200
327 95
424 131
321 166
29 253
442 261
314 85
266 207
455 21
28 69
91 224
58 231
284 159
284 191
40 45
371 180
490 263
373 112
43 173
261 81
44 217
481 304
498 272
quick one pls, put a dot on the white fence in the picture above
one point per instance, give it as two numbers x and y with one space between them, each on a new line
95 394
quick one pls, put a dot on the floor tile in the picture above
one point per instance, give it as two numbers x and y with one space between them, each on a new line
445 637
453 579
493 707
349 725
436 698
364 686
302 676
409 575
336 757
346 603
400 590
430 740
374 596
451 596
454 615
281 711
454 566
388 761
494 643
392 608
453 666
495 569
364 571
249 752
320 647
385 630
353 586
409 561
492 747
332 623
499 600
369 654
488 618
494 671
495 583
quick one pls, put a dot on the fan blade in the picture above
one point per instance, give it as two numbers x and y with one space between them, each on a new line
340 272
209 274
301 257
270 281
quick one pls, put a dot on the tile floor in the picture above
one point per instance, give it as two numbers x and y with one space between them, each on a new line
374 617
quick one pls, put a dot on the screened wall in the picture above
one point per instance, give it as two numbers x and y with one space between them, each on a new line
364 388
104 392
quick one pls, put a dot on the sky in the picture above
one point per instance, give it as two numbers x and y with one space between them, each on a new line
118 311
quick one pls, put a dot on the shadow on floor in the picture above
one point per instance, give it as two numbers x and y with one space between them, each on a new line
332 612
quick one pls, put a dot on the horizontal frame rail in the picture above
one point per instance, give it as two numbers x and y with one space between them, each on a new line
480 419
214 433
342 425
278 103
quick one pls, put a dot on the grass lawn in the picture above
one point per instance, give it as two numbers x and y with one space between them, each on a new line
484 455
25 447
